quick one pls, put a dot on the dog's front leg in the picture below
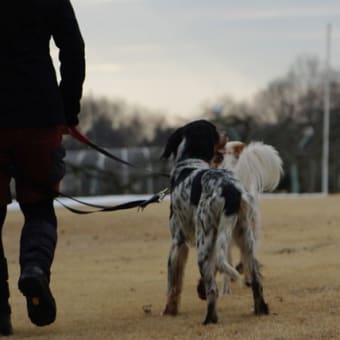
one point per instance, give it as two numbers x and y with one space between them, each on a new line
176 263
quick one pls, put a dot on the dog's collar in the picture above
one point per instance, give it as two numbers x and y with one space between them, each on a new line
192 163
185 168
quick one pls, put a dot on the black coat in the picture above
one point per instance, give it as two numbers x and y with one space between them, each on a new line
30 95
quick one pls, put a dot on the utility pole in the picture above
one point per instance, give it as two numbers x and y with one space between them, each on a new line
326 109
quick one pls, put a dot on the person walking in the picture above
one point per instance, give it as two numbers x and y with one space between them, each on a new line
35 112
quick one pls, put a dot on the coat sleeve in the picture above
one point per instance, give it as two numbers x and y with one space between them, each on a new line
68 39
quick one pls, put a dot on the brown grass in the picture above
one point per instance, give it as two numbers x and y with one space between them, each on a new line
109 278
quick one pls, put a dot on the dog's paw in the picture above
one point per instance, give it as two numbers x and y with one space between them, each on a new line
170 310
210 319
239 268
247 283
201 290
261 308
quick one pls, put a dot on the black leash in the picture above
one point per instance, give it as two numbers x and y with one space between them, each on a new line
141 204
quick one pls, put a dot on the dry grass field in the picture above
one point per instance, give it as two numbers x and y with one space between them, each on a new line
109 278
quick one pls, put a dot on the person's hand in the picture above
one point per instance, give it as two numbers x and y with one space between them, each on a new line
65 130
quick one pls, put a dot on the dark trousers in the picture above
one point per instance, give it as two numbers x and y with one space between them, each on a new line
37 243
39 235
4 290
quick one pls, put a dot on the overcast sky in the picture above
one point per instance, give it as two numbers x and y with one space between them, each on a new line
174 55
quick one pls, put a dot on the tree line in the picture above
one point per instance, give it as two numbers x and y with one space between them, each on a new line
287 113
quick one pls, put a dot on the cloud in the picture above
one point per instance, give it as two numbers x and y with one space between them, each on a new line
106 68
98 2
277 12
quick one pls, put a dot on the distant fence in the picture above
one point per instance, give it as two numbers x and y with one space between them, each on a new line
89 173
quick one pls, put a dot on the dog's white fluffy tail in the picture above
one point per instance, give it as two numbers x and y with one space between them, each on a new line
259 167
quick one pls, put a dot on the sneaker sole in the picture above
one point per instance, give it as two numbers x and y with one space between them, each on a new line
40 302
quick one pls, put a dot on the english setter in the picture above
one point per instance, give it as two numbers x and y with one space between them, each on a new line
208 206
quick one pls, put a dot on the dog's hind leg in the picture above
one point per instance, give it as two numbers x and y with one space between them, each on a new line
247 245
176 263
226 289
260 306
207 267
247 230
223 251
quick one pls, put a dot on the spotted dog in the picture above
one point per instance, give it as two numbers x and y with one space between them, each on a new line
207 205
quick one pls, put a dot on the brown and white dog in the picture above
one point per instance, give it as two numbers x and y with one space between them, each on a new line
258 167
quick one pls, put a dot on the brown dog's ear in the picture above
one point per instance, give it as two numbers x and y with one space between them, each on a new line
238 149
220 149
173 142
223 140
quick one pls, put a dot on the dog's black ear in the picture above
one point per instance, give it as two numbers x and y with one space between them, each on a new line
201 137
173 142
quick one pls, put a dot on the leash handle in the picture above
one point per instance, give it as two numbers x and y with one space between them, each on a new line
74 132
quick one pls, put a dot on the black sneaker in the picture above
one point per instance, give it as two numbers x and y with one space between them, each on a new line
41 305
